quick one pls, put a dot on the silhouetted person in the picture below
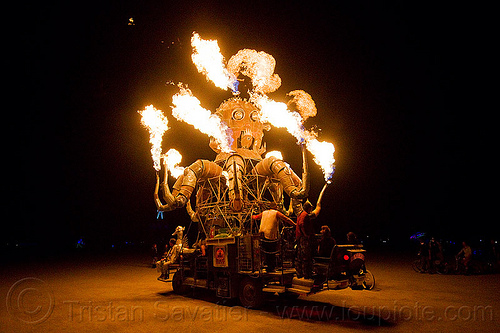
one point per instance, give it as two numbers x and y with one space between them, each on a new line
352 238
465 255
326 243
154 255
435 254
423 254
304 235
492 253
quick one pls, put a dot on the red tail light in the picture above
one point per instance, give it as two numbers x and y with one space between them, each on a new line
346 257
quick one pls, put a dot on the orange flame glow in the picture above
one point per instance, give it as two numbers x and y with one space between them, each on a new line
275 153
157 124
278 115
208 60
188 108
303 102
172 159
322 152
258 66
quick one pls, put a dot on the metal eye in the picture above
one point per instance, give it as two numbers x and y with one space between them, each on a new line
254 115
238 114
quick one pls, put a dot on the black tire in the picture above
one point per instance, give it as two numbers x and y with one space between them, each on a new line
177 283
369 281
417 266
443 268
250 293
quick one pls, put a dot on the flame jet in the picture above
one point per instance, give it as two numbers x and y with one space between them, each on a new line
157 124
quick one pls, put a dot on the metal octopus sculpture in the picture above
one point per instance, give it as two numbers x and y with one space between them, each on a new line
238 184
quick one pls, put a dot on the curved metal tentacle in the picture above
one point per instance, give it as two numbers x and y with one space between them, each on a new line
304 191
159 205
192 214
185 184
296 189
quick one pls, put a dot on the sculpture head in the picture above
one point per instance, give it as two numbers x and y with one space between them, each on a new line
242 117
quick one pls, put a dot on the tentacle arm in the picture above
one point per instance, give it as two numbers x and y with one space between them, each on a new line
292 185
185 184
318 203
192 214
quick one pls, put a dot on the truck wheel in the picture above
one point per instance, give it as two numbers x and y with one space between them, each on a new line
369 282
251 293
177 283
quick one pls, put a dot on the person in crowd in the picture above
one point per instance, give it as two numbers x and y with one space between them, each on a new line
326 243
435 254
154 255
465 255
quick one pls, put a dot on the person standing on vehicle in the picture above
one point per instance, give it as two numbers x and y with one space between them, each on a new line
304 233
269 223
304 236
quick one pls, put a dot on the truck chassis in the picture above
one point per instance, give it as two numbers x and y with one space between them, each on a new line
232 267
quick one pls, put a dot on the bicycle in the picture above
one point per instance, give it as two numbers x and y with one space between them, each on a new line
420 265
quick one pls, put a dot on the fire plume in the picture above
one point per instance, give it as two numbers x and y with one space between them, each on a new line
303 103
258 66
278 115
157 124
187 108
172 159
322 152
209 61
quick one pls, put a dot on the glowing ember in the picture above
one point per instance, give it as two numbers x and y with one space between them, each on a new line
172 159
209 61
258 66
157 124
188 108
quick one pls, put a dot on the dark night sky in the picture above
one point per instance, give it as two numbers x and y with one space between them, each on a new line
388 81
